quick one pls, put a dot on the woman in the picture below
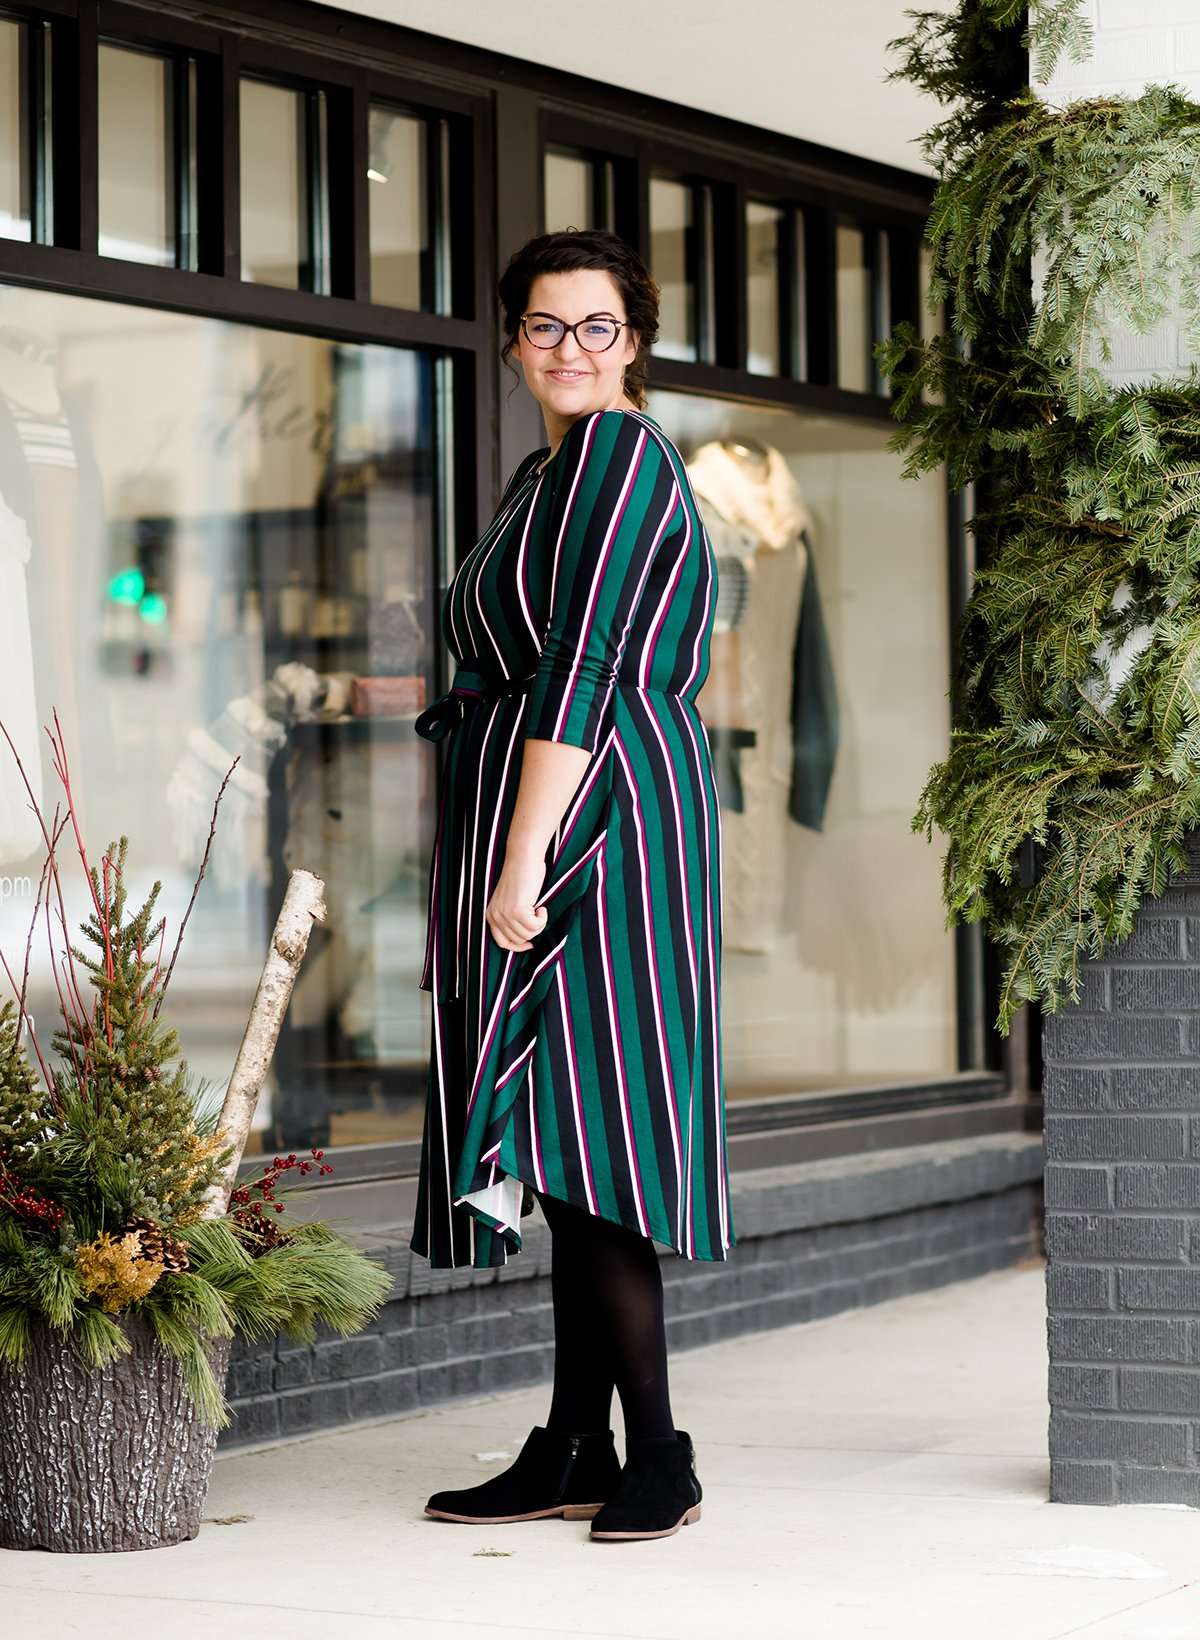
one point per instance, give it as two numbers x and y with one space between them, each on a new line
574 938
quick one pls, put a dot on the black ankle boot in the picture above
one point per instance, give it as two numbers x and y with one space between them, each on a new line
659 1491
553 1474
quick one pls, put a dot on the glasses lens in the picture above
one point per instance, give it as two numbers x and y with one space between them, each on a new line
543 332
597 334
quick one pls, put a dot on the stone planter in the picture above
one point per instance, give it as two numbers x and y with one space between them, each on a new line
98 1461
1122 1147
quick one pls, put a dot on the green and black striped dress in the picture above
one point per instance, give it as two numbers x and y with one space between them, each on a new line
588 1067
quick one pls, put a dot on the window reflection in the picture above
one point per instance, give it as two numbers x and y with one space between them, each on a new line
881 306
580 190
399 208
136 156
16 205
763 230
671 228
275 203
855 320
568 183
825 704
217 541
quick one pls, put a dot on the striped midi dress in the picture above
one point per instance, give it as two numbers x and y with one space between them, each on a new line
588 1067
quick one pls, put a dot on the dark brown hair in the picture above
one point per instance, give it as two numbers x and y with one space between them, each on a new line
563 252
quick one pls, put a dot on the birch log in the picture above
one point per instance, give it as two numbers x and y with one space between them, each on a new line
303 904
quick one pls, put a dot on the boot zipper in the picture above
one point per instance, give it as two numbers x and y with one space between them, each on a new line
573 1452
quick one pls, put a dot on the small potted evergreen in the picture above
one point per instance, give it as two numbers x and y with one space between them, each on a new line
129 1258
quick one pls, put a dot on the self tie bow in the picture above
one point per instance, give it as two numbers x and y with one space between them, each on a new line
471 683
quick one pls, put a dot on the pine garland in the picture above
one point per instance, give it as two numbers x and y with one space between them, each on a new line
1077 691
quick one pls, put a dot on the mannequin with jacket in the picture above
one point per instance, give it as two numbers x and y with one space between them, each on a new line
769 701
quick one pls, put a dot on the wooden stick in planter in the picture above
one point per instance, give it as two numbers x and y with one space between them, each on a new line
303 904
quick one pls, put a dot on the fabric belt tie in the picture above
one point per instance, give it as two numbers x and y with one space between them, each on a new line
471 684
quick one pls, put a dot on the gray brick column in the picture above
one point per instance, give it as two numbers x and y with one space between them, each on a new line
1122 1195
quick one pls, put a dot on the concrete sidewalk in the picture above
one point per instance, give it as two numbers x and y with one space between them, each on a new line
880 1473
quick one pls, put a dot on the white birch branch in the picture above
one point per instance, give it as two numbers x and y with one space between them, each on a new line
303 904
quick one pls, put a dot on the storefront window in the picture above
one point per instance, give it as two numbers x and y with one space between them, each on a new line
136 156
16 211
825 705
218 541
276 232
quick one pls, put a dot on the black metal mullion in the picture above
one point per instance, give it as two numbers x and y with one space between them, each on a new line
785 289
84 135
349 192
208 204
230 122
821 315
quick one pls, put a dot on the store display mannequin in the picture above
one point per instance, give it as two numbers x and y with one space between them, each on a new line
762 655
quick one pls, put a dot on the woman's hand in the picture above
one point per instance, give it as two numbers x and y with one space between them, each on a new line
511 914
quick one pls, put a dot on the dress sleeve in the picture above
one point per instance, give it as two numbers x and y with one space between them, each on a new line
614 496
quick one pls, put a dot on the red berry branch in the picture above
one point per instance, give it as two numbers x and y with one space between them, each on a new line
25 1203
245 1212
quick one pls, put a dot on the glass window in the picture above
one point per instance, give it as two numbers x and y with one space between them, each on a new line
136 155
931 324
672 218
16 175
855 317
763 341
580 190
825 704
568 183
276 236
220 542
398 173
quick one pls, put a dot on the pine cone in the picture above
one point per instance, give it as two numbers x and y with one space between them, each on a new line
158 1244
264 1234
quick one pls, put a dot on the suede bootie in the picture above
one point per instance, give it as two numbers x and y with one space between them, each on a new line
552 1474
659 1491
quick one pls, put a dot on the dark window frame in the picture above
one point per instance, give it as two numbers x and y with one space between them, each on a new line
500 113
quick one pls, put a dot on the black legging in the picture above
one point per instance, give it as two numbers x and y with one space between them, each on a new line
608 1325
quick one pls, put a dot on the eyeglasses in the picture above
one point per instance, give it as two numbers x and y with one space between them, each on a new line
593 334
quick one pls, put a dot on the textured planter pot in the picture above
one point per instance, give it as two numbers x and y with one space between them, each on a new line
94 1461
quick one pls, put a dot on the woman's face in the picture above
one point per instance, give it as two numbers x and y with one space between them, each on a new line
567 380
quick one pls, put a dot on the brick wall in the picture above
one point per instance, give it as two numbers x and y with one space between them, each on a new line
1122 1196
1122 1087
813 1239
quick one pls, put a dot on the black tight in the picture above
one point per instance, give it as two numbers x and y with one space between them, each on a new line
608 1325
